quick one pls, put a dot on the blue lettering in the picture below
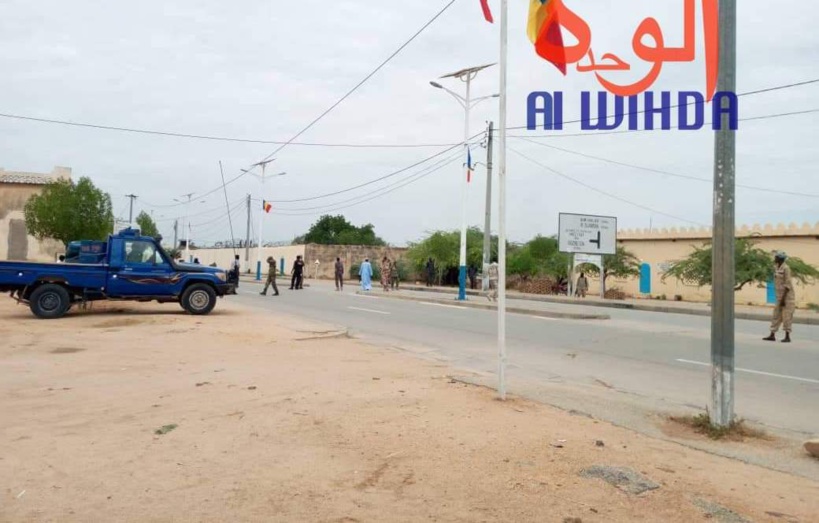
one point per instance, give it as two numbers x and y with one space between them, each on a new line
664 110
551 109
725 106
699 110
602 123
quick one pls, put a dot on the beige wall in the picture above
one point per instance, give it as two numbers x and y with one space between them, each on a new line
325 254
224 257
15 242
349 254
662 247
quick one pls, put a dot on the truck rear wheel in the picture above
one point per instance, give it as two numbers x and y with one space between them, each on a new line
199 299
49 301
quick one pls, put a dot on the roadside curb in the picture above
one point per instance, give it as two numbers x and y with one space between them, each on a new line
754 316
489 307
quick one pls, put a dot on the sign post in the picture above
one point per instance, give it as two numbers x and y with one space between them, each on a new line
587 238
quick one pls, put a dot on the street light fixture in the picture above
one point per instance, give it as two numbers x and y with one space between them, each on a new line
466 76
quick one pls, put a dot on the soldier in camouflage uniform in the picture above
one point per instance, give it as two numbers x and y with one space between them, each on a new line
271 277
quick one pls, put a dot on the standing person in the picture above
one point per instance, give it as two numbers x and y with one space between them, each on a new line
339 268
61 259
430 267
492 295
233 275
582 286
366 273
473 275
196 261
271 277
396 275
785 298
386 270
297 274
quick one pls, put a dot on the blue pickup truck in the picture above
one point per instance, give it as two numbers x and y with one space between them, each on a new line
126 267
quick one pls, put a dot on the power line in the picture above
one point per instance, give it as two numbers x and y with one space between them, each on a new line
600 191
434 167
362 82
414 178
747 93
217 138
340 100
666 173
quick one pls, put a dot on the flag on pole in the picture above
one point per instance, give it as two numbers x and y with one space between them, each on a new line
544 31
487 13
469 168
266 206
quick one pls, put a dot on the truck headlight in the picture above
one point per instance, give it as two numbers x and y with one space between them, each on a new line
222 276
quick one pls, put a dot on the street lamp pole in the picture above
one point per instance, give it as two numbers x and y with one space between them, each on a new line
186 223
263 165
466 76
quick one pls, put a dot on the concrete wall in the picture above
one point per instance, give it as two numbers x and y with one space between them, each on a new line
15 242
325 254
350 255
224 257
662 247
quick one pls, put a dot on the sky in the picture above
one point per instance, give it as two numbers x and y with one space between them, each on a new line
263 70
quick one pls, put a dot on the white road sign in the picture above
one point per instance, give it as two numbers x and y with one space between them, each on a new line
579 233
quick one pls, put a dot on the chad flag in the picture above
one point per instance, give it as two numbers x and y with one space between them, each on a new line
266 206
544 31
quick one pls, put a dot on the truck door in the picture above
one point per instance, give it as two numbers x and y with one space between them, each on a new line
139 269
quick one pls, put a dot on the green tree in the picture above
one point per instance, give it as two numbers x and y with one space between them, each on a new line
147 227
444 247
69 211
753 265
336 230
623 264
539 257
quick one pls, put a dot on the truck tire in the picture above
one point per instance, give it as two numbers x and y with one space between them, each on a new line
199 299
49 301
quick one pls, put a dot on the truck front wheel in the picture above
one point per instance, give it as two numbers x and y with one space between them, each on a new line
49 301
199 299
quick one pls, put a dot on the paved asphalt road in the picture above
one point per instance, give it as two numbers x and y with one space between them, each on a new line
636 359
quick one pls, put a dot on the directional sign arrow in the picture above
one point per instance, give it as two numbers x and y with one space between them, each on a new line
597 241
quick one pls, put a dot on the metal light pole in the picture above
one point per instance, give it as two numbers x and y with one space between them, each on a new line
131 197
263 165
504 37
247 238
723 260
466 76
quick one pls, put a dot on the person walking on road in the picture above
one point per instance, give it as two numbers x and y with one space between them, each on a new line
271 277
366 273
785 299
339 268
386 271
430 269
492 295
473 276
297 274
233 274
395 276
582 286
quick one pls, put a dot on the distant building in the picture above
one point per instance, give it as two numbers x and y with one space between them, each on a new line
15 190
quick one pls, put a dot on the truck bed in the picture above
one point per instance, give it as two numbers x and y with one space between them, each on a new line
15 275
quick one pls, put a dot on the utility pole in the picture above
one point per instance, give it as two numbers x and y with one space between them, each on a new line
487 227
175 233
132 197
247 236
504 63
722 268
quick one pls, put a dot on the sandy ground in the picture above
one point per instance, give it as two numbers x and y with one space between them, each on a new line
274 423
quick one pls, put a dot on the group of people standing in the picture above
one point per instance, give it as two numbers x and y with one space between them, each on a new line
390 277
296 276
